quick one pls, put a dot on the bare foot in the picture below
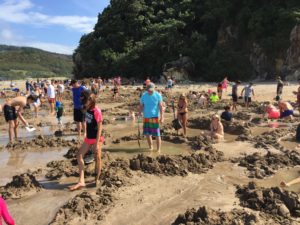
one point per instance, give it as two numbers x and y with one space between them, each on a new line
283 184
97 183
76 187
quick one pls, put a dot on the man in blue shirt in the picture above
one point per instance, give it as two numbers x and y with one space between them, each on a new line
152 108
78 115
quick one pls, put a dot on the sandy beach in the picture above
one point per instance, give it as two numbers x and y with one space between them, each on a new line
140 187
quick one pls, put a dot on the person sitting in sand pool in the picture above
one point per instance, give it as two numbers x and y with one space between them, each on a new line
286 110
216 128
13 109
93 138
227 114
273 112
292 182
214 98
182 111
4 214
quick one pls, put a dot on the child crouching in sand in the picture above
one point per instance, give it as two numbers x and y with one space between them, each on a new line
93 138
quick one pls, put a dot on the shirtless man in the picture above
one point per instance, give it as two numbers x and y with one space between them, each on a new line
13 109
286 110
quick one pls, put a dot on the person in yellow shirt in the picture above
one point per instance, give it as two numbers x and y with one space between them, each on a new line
214 97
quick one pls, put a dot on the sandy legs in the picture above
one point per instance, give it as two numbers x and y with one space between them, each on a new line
13 130
150 142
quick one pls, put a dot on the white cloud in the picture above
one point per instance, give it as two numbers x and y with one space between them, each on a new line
51 47
8 37
22 12
6 34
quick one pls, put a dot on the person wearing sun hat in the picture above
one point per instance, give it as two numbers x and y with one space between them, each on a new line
151 105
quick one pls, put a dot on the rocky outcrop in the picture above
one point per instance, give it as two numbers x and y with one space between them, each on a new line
292 66
259 62
179 69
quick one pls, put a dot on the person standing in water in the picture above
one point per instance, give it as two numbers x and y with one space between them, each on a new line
12 110
78 114
51 97
279 88
235 95
92 140
182 110
249 92
152 107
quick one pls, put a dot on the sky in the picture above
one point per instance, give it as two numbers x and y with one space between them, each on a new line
51 25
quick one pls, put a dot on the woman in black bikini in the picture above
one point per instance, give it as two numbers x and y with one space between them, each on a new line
182 111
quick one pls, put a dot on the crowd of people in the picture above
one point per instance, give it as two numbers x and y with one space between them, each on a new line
88 116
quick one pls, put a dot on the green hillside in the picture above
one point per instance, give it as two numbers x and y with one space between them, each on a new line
244 39
22 62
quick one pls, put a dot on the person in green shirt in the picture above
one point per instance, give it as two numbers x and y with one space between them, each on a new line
214 97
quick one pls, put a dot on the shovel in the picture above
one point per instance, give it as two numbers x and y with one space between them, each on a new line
30 128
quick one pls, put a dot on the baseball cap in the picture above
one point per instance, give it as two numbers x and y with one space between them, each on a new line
150 87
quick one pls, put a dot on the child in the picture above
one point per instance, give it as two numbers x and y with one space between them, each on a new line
4 213
227 114
59 111
203 100
214 98
93 138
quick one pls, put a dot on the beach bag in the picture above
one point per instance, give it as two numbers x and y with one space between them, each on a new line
298 133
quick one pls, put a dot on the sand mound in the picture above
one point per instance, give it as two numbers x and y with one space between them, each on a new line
262 166
87 208
21 185
242 116
274 201
202 123
267 139
177 165
235 128
39 143
116 174
71 153
207 216
61 168
200 142
84 208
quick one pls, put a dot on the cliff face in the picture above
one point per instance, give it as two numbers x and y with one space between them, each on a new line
239 38
292 64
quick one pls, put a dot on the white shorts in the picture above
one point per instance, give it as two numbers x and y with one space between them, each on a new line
37 103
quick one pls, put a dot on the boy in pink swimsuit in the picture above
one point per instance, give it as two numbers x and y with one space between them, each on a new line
5 214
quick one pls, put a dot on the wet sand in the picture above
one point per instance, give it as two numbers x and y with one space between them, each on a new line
146 198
